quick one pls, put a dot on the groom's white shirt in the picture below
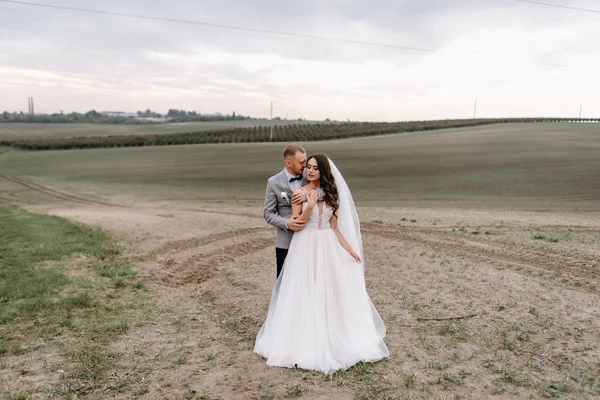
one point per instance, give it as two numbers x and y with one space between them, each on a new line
293 185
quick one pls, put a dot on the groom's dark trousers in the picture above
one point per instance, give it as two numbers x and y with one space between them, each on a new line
281 254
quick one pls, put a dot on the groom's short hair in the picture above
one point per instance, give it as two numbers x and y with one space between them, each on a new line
292 149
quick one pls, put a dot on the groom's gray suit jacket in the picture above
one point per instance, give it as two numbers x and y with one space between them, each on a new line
278 207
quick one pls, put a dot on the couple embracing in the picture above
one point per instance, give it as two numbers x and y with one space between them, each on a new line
320 316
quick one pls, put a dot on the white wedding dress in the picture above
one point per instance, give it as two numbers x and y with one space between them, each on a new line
321 317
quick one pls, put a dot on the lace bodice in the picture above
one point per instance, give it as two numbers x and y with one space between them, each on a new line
317 221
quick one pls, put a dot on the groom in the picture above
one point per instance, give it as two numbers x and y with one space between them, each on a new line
279 197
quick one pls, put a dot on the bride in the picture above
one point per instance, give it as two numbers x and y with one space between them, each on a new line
320 316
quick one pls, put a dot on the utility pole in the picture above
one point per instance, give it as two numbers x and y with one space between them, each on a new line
475 109
271 121
580 106
30 106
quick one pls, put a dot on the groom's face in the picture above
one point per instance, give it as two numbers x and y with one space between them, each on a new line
296 163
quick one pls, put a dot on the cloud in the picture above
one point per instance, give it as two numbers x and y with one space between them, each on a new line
505 53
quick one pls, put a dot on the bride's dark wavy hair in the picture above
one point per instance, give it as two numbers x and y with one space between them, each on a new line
327 182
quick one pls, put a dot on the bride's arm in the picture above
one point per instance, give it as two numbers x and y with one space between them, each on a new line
296 209
306 213
343 242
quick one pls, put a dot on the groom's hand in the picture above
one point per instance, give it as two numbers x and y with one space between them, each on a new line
299 196
295 224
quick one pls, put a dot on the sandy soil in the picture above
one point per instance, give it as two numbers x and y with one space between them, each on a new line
519 315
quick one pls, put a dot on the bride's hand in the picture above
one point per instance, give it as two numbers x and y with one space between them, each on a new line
312 197
299 196
356 257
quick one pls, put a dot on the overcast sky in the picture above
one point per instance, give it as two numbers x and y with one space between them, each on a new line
517 59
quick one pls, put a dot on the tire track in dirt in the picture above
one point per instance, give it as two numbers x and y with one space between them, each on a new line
228 213
185 244
202 266
585 267
583 198
54 193
516 256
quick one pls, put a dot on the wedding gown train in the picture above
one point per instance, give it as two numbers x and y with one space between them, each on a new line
320 316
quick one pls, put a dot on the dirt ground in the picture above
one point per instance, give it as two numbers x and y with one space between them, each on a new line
478 304
526 310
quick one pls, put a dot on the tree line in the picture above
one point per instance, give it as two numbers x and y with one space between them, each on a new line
192 116
95 117
282 133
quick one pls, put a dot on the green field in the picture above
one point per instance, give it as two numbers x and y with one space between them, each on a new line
16 131
515 166
48 290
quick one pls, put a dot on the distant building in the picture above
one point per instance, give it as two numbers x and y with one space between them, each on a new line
154 119
116 114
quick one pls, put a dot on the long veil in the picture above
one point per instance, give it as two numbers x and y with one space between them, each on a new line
349 225
347 222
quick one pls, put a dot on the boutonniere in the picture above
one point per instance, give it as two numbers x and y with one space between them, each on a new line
285 197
